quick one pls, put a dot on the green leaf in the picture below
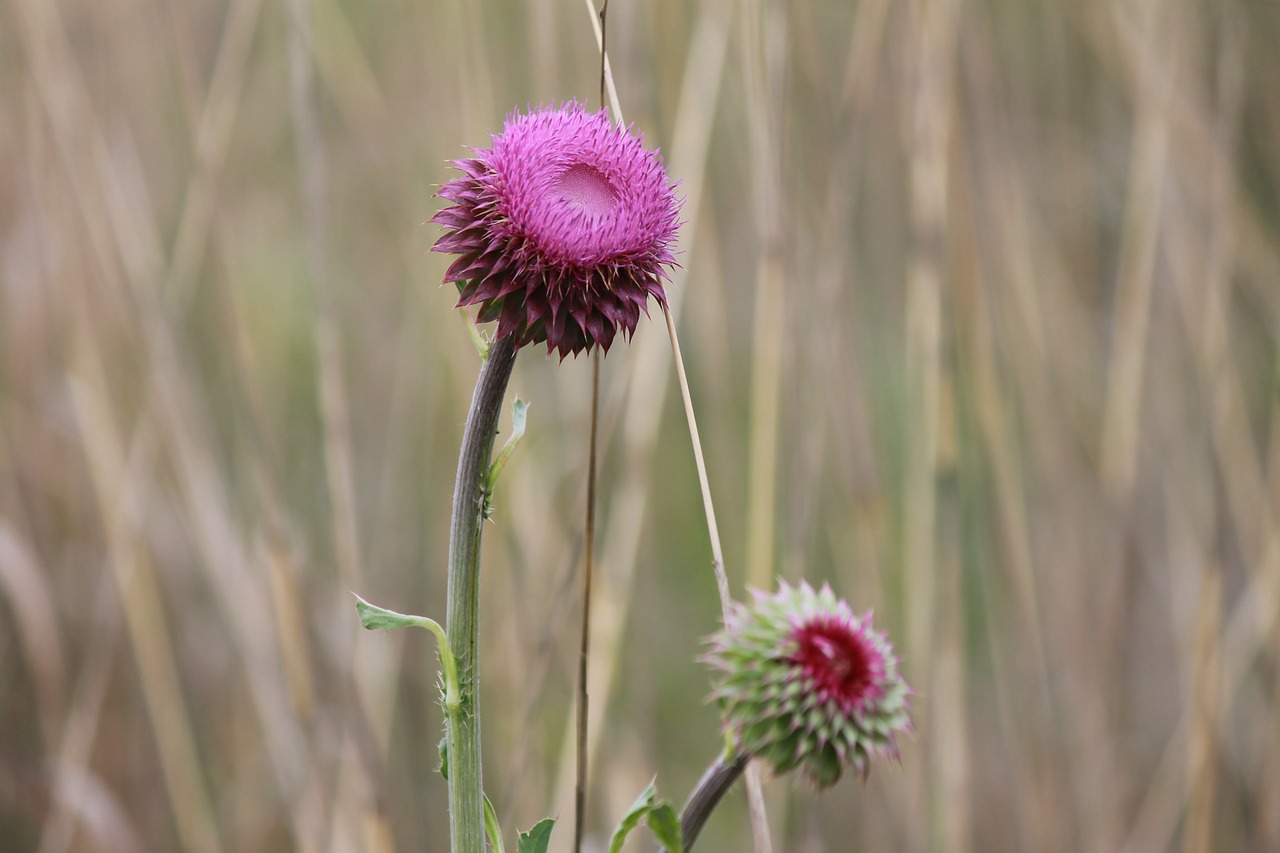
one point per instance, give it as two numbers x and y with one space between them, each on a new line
638 811
443 749
493 829
537 839
376 618
664 823
478 339
518 417
659 816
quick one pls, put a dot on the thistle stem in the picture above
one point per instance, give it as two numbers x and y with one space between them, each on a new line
462 725
711 788
580 794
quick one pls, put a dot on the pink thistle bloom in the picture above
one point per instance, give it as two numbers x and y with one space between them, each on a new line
563 228
803 682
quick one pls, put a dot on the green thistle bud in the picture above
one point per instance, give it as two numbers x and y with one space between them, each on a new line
804 683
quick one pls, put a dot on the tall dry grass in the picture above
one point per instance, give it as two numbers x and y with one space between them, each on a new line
980 304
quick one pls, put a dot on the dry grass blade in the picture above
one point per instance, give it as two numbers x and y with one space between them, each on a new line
140 596
1137 259
30 599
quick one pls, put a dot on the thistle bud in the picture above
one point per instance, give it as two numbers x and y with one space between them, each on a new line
804 683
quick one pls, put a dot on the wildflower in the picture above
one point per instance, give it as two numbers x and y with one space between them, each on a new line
563 228
803 682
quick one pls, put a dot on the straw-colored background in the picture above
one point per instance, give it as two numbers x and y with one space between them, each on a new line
980 304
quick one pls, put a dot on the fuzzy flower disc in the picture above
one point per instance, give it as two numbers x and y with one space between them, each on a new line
803 682
564 228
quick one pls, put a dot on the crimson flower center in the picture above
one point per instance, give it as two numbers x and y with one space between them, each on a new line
586 187
837 661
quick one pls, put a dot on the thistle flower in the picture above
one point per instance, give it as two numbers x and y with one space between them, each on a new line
803 682
563 227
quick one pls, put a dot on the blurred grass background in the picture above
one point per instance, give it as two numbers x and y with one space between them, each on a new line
980 305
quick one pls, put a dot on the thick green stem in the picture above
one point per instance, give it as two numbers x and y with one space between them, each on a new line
712 787
466 798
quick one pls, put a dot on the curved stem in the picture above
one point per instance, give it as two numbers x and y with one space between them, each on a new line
711 788
462 726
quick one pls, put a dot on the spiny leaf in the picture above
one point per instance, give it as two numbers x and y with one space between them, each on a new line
492 828
537 839
478 339
659 816
664 823
519 411
376 618
638 811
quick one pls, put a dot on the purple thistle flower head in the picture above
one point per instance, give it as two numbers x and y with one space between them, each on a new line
564 228
804 683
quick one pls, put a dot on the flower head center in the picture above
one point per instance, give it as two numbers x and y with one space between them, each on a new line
838 661
587 188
